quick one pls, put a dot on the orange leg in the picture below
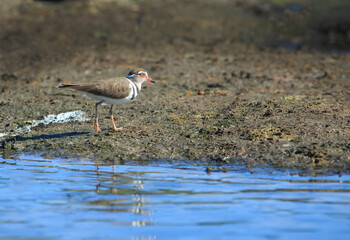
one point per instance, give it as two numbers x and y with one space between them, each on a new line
97 127
96 118
111 115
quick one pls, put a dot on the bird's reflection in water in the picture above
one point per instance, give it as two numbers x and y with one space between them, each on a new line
124 191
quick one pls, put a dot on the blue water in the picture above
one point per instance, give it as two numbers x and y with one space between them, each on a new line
75 199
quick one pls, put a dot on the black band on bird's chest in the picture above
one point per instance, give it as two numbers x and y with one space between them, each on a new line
134 90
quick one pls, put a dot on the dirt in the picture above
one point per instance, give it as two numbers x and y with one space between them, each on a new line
223 94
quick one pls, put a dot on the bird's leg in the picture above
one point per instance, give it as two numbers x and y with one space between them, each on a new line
96 118
111 115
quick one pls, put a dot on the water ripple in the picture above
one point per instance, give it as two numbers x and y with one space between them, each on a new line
71 199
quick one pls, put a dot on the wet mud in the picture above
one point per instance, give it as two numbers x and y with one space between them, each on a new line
222 94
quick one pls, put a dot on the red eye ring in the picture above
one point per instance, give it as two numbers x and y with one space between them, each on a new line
142 74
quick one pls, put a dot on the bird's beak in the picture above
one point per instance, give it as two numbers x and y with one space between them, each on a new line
150 80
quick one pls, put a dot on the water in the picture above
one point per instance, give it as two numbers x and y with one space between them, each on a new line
73 199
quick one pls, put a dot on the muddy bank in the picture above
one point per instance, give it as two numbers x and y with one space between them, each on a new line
218 97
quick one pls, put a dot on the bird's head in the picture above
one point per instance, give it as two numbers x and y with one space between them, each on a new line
139 75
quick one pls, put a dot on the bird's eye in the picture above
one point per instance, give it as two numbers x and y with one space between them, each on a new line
142 74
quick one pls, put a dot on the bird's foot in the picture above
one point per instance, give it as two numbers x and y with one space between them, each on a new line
97 127
117 129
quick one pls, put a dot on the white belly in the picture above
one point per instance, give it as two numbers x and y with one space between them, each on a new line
109 100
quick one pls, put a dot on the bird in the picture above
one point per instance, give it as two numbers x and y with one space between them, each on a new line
112 91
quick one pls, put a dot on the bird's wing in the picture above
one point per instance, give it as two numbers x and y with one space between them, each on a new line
116 88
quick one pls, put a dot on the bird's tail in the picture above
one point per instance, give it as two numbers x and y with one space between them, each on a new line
66 85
